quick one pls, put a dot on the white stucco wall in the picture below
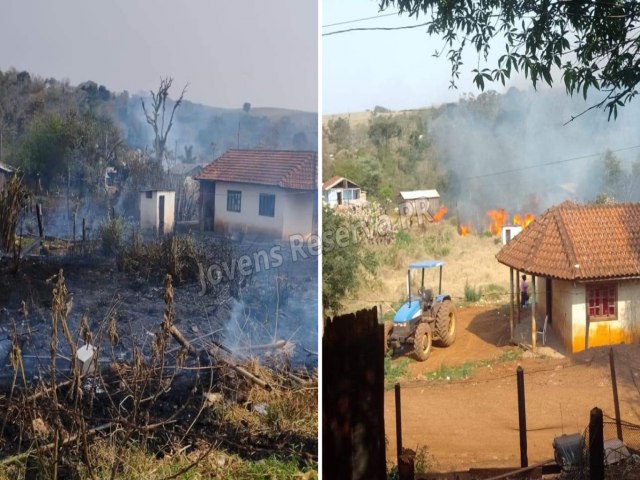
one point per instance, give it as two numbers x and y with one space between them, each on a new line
629 307
149 210
298 216
348 195
570 316
565 298
248 220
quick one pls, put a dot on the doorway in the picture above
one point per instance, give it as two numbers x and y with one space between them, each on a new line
161 215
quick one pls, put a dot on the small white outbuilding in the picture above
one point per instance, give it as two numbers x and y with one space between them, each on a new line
157 211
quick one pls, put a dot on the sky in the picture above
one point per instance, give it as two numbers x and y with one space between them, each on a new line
229 52
393 69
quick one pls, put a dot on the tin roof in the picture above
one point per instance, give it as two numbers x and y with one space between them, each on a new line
579 242
333 181
281 168
415 194
427 264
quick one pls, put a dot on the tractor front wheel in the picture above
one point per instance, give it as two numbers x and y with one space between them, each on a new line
446 324
422 341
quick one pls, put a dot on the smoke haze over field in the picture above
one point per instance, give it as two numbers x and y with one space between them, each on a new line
512 151
252 51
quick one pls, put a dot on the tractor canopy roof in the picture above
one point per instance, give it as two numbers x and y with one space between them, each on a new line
427 264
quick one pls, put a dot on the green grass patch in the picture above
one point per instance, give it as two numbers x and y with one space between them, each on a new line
403 238
472 294
510 355
393 373
138 463
457 372
467 369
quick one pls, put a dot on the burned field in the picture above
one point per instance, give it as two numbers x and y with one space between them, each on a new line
179 347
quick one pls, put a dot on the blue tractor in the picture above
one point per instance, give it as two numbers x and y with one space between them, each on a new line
424 319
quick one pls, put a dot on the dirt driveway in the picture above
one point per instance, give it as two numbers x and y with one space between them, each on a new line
474 422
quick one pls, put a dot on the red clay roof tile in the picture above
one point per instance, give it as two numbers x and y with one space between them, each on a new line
282 168
579 242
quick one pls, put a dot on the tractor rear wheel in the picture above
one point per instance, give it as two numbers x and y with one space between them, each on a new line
445 325
388 328
422 341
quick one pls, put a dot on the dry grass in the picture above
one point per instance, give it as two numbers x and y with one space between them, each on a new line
176 255
169 413
138 464
469 260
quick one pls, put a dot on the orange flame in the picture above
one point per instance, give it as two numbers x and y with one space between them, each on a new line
464 230
528 218
517 219
440 213
498 218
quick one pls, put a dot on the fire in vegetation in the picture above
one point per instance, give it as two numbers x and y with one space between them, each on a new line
523 221
464 230
439 215
498 219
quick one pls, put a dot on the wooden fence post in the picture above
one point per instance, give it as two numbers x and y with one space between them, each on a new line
596 445
398 423
522 419
353 439
614 387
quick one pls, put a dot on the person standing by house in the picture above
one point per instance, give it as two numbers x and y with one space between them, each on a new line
524 292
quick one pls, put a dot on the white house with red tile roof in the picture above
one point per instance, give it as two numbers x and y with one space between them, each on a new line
342 191
588 258
260 193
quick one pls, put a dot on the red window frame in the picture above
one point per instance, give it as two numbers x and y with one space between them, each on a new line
602 301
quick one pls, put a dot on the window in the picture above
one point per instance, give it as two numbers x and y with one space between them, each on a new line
234 199
601 301
267 205
149 194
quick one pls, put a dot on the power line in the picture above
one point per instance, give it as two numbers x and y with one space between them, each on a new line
546 164
359 20
361 29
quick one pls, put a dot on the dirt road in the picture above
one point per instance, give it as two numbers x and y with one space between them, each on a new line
474 422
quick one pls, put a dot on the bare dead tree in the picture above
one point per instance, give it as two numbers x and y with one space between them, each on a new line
157 116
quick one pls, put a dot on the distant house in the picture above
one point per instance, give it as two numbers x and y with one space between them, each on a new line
418 201
157 211
341 191
6 172
185 170
586 260
260 193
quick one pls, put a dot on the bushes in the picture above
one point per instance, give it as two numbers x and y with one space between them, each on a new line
471 294
174 254
111 233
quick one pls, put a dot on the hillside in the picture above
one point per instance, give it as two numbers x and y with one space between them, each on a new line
519 151
470 262
93 120
202 126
